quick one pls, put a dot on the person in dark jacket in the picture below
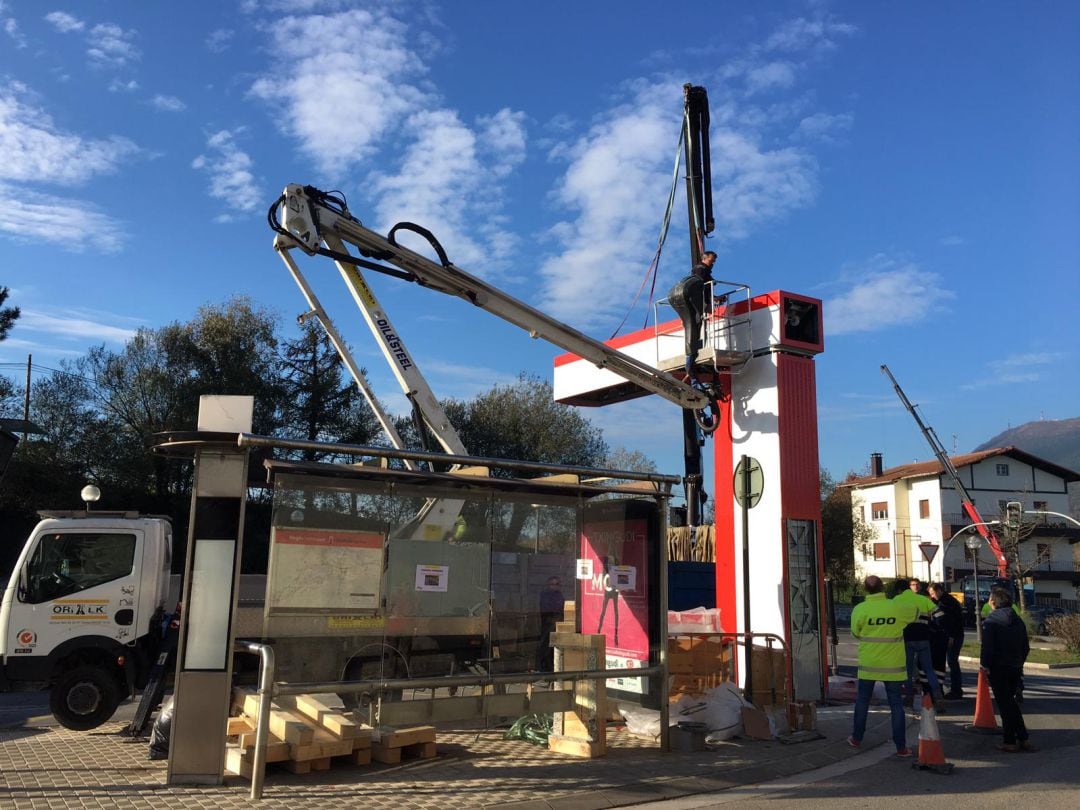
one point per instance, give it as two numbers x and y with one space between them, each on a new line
948 617
1004 651
693 300
551 613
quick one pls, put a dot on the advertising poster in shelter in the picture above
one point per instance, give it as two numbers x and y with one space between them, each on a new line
615 598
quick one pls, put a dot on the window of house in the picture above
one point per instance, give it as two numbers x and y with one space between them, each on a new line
1039 506
879 511
1001 505
924 509
1001 469
1042 553
882 551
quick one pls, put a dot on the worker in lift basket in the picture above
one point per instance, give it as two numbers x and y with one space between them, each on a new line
690 298
878 625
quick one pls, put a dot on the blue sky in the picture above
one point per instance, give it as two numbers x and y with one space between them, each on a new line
914 165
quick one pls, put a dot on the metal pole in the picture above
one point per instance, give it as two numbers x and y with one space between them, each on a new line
262 722
26 399
246 440
748 683
978 624
834 638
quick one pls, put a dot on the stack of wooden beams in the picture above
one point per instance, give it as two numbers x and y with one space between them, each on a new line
305 734
391 745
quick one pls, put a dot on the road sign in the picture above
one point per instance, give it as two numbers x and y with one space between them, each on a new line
757 481
929 551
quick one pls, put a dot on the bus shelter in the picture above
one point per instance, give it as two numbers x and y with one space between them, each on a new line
461 588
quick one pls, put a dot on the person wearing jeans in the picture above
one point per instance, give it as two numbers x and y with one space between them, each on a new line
948 615
878 625
917 642
896 711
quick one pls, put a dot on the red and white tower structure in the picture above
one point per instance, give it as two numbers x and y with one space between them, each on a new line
763 348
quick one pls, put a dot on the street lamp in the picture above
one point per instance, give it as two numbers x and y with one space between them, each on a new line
90 494
974 542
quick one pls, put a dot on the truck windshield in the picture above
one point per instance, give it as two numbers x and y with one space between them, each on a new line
66 563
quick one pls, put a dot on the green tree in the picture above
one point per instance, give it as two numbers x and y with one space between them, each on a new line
622 458
842 531
8 315
523 421
320 402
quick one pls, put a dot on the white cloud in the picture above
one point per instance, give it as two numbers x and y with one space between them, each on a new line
64 22
774 75
219 40
74 324
886 293
341 98
229 169
119 86
112 46
35 151
74 225
11 28
444 180
824 127
617 180
344 101
802 34
1028 359
168 103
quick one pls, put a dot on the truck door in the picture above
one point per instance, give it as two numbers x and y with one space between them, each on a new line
77 583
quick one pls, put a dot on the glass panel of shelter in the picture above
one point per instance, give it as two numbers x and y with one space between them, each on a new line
361 587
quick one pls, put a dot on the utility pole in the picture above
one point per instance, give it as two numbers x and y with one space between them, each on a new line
26 398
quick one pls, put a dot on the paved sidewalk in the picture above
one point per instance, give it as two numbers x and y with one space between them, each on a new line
54 767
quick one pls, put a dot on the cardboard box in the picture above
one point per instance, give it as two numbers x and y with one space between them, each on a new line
755 724
802 715
680 662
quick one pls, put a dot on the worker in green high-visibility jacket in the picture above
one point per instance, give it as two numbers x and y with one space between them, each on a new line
878 625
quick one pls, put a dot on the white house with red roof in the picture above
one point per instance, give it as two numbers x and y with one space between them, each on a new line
914 511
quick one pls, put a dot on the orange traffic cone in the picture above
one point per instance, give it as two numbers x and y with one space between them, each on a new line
931 754
985 722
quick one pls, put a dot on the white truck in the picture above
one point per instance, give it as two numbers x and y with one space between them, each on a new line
83 612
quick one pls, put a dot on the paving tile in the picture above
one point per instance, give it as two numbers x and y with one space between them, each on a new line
58 768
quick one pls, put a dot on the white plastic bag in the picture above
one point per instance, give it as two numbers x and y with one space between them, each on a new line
720 709
645 722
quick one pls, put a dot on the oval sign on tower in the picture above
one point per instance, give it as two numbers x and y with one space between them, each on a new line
756 483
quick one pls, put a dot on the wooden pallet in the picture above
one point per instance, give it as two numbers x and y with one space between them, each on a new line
391 745
307 734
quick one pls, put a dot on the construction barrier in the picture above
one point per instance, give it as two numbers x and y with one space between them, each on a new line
985 722
931 754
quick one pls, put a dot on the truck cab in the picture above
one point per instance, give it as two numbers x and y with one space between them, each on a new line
82 612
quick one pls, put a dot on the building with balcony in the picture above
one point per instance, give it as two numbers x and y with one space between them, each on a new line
914 511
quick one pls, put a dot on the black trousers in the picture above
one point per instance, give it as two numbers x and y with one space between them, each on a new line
1003 683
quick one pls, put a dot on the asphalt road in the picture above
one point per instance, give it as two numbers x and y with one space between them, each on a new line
982 777
32 708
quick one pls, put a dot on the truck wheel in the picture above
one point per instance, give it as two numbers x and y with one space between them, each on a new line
84 698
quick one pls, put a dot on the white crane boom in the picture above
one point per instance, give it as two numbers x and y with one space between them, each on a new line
310 218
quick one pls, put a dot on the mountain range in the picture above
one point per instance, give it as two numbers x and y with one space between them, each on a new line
1056 440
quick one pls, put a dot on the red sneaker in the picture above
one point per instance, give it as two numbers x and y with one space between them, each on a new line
904 752
853 743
